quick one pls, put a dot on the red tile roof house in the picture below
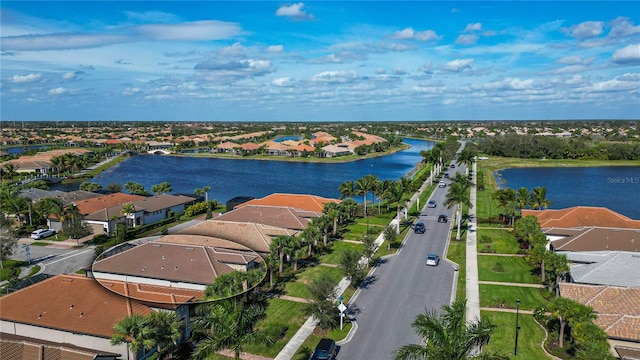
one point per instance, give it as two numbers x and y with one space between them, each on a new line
297 201
277 149
580 216
68 309
226 147
618 312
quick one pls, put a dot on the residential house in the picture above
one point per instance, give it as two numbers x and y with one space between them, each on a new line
175 267
278 216
226 147
276 149
16 347
618 313
335 150
256 237
593 239
580 216
296 201
71 310
249 148
148 210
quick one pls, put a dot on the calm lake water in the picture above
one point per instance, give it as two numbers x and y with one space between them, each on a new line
229 178
613 187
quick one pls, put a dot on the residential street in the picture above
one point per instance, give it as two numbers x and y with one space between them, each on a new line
403 287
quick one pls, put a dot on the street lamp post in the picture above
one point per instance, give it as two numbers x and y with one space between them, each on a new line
515 351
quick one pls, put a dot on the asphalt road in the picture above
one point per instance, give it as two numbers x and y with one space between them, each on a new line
403 287
56 261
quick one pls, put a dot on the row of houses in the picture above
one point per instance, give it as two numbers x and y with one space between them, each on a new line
74 315
603 249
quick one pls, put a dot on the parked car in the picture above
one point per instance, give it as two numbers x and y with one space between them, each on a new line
419 228
42 233
325 350
442 218
431 204
432 260
442 184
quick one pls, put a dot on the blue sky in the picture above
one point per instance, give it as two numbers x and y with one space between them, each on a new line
320 60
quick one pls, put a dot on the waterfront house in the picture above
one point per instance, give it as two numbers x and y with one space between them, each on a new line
275 148
226 147
279 216
580 216
249 148
335 150
297 201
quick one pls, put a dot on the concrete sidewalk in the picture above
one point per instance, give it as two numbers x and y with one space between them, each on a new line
473 288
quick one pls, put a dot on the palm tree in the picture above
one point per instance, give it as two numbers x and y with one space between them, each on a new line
448 335
467 157
458 196
507 200
127 210
348 189
11 170
162 188
539 198
523 198
133 330
394 194
311 234
277 247
350 207
331 210
324 223
165 330
227 324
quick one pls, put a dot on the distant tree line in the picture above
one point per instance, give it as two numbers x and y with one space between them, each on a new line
536 147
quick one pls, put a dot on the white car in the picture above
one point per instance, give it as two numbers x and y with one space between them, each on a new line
42 233
433 260
442 184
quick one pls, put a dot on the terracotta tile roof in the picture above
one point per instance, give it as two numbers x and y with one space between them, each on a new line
71 303
596 239
297 201
274 145
88 206
152 293
280 216
579 216
256 237
617 307
250 146
227 145
16 347
305 147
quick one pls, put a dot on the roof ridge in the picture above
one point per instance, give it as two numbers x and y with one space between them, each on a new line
575 238
620 318
597 295
206 254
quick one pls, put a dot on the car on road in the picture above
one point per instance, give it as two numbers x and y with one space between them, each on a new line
453 166
419 228
446 175
431 204
432 260
325 350
442 184
42 233
442 218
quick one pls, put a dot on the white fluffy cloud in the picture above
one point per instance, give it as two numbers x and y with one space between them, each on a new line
275 49
410 33
294 12
467 39
58 91
473 27
586 30
458 65
339 76
629 55
25 78
282 82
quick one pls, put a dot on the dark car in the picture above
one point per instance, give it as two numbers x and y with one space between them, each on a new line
453 166
325 350
419 228
442 218
446 175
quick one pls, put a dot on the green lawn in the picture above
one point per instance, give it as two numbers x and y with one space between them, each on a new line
505 269
494 295
502 241
307 347
457 253
298 288
332 255
8 266
282 315
502 341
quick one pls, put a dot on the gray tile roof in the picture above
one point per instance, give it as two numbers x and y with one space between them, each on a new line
617 268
